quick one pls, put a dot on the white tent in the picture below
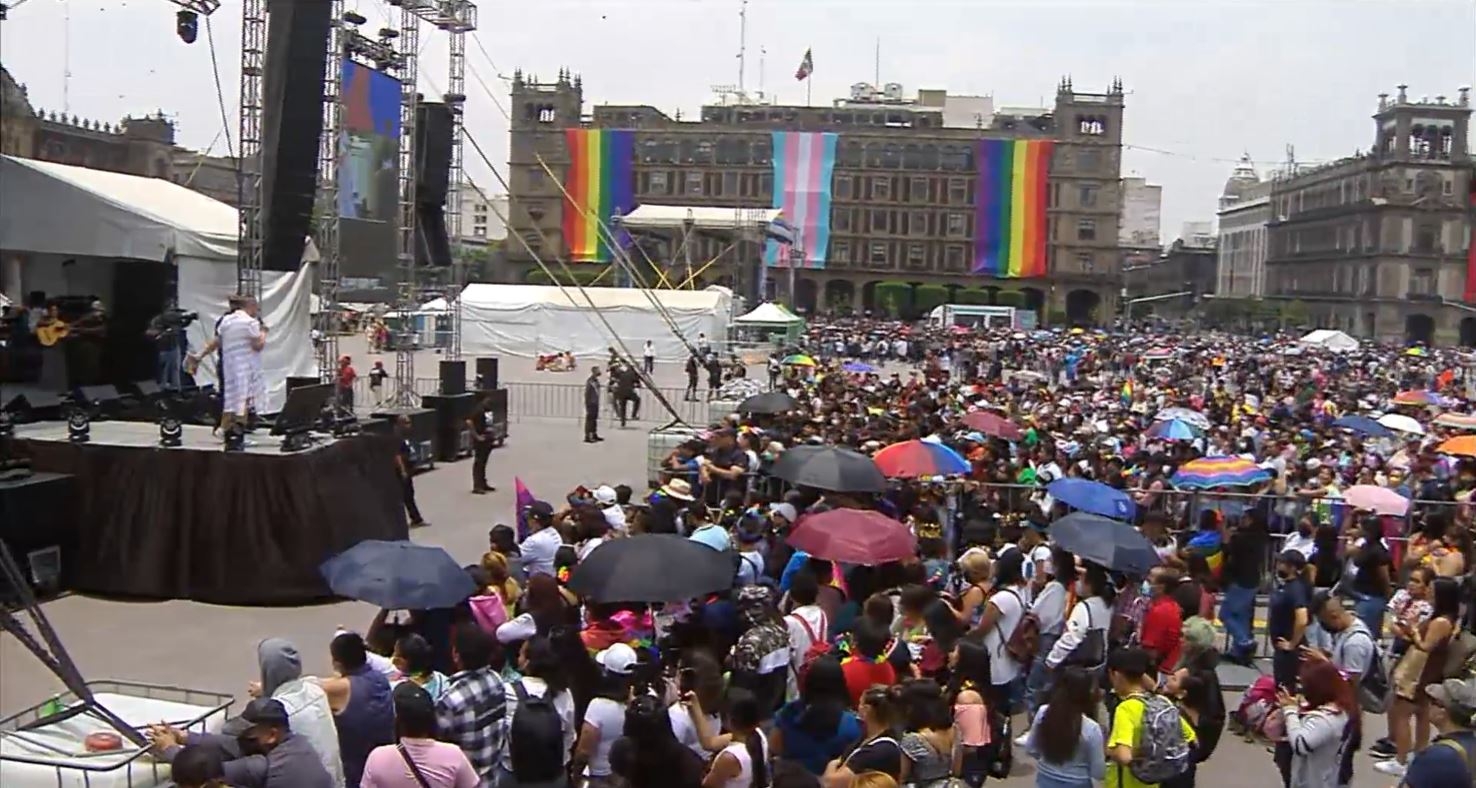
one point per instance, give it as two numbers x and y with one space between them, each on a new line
768 314
104 219
526 320
1328 339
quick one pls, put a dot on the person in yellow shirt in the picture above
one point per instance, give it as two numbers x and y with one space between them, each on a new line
1133 678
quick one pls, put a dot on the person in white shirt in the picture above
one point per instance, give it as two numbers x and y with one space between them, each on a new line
807 625
604 719
1092 613
543 541
1303 540
538 661
1003 612
750 554
648 357
1049 608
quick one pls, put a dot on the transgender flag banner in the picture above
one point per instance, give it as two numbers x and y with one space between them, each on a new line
804 162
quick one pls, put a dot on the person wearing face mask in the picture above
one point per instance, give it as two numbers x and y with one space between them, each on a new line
1288 614
1162 627
264 755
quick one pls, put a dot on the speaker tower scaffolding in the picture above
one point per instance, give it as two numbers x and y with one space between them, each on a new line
248 177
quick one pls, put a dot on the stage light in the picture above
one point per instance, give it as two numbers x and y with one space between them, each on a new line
171 432
187 26
235 437
354 18
79 426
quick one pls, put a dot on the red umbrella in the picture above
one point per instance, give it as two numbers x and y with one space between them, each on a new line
993 424
853 536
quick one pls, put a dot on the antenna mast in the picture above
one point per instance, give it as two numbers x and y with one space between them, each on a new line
877 83
742 46
763 51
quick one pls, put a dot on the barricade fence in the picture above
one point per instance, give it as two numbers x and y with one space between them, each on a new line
563 401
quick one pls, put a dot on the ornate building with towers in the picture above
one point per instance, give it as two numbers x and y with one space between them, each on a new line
1018 206
1380 244
1245 212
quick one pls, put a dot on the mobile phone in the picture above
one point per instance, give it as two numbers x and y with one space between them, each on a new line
686 680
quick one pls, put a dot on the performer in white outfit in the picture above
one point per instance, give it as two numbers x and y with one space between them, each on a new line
241 336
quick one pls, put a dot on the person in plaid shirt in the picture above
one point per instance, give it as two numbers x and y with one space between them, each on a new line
470 713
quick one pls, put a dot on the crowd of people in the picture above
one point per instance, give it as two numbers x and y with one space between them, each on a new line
990 645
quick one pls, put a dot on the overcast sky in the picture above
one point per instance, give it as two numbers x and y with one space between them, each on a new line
1206 79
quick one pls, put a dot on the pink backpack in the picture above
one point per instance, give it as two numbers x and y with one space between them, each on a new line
489 611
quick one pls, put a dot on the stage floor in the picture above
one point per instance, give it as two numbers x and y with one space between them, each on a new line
145 435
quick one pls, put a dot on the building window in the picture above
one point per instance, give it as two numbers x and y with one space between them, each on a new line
704 152
917 255
1088 196
730 183
547 115
958 191
957 225
917 224
1092 127
1086 229
843 187
840 252
1422 282
1427 238
840 220
535 179
479 232
765 184
878 221
881 187
660 184
693 183
1084 262
534 241
955 258
879 253
917 190
1090 160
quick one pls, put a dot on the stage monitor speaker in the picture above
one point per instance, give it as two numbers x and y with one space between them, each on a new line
432 153
292 122
453 377
486 373
452 411
38 522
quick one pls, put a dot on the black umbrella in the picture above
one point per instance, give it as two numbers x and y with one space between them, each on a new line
398 575
768 402
829 468
1111 543
652 568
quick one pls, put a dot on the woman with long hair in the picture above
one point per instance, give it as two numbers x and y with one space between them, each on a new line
927 744
699 673
974 757
649 755
543 676
1427 651
1202 707
1317 724
1066 741
604 719
743 752
878 750
819 726
543 607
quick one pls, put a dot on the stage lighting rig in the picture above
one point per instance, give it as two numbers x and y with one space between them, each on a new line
354 18
381 52
187 20
79 425
171 432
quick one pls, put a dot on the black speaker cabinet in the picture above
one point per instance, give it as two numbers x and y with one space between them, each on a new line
451 439
486 374
453 377
292 121
38 523
294 381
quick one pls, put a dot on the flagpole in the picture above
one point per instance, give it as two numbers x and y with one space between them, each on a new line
808 82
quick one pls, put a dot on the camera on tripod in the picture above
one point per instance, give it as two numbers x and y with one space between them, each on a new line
178 318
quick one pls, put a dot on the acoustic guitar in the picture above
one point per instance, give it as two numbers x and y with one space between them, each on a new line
48 334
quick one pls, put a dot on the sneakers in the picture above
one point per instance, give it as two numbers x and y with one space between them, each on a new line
1022 739
1382 750
1390 767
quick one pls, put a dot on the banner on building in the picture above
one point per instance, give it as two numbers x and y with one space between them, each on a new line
1010 208
600 184
1469 296
804 163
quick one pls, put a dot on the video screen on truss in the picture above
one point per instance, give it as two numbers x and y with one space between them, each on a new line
368 173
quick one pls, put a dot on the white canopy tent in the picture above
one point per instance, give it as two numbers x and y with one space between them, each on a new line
768 314
528 320
1328 339
104 219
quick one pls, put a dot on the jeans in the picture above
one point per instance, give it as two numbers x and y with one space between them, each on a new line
1237 609
407 491
648 364
1370 610
168 368
1039 680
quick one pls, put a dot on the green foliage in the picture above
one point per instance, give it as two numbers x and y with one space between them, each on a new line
894 298
1058 317
1013 298
927 297
973 296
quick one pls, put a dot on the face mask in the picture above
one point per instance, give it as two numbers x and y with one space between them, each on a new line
1082 590
1145 588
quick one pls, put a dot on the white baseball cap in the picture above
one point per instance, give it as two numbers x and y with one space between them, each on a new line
619 659
604 495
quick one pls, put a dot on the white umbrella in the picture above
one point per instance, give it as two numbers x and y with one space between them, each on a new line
1401 423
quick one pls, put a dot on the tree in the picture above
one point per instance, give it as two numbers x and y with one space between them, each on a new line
894 298
926 297
971 295
1013 298
1293 314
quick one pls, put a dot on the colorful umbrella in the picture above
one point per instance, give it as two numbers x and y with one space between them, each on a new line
1173 430
829 468
1418 397
1459 421
920 458
993 424
1094 497
853 536
1401 423
1219 472
1359 423
1462 446
857 367
798 360
1193 417
1379 500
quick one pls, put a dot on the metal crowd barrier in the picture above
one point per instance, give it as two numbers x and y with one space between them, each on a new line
560 401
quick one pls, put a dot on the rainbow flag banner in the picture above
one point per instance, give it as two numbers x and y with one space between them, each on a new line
600 183
804 163
1010 208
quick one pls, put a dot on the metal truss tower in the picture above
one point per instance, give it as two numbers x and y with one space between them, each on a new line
457 17
407 294
248 179
328 219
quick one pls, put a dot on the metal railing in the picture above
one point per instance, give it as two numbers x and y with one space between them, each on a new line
562 401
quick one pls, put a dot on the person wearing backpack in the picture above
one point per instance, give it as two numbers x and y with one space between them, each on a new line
1004 614
538 727
807 625
1149 741
1450 760
1320 724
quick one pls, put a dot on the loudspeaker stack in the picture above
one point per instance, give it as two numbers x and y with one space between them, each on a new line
292 122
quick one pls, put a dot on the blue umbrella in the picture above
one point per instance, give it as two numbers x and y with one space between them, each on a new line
1358 422
398 576
1094 497
1112 544
1173 430
858 367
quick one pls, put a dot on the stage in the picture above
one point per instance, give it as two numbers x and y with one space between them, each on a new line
195 522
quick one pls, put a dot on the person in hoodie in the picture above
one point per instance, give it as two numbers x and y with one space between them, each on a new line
305 701
265 754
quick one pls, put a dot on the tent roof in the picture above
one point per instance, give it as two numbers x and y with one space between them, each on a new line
435 305
1329 338
604 297
675 217
60 209
770 313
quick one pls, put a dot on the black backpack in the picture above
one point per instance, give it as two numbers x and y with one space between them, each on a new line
536 738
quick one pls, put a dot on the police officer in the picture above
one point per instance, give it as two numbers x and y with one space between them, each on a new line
592 406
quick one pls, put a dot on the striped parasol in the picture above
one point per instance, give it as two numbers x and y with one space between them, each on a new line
1459 421
1209 472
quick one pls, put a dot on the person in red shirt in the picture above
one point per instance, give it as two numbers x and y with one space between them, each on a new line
346 377
867 664
1161 630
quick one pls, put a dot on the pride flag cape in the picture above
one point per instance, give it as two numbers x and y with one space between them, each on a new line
522 499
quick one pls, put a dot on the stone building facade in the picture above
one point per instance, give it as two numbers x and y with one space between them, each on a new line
1245 212
1378 244
903 188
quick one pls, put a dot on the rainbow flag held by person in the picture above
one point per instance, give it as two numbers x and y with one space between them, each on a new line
1211 545
522 499
1127 392
1010 208
600 185
804 163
